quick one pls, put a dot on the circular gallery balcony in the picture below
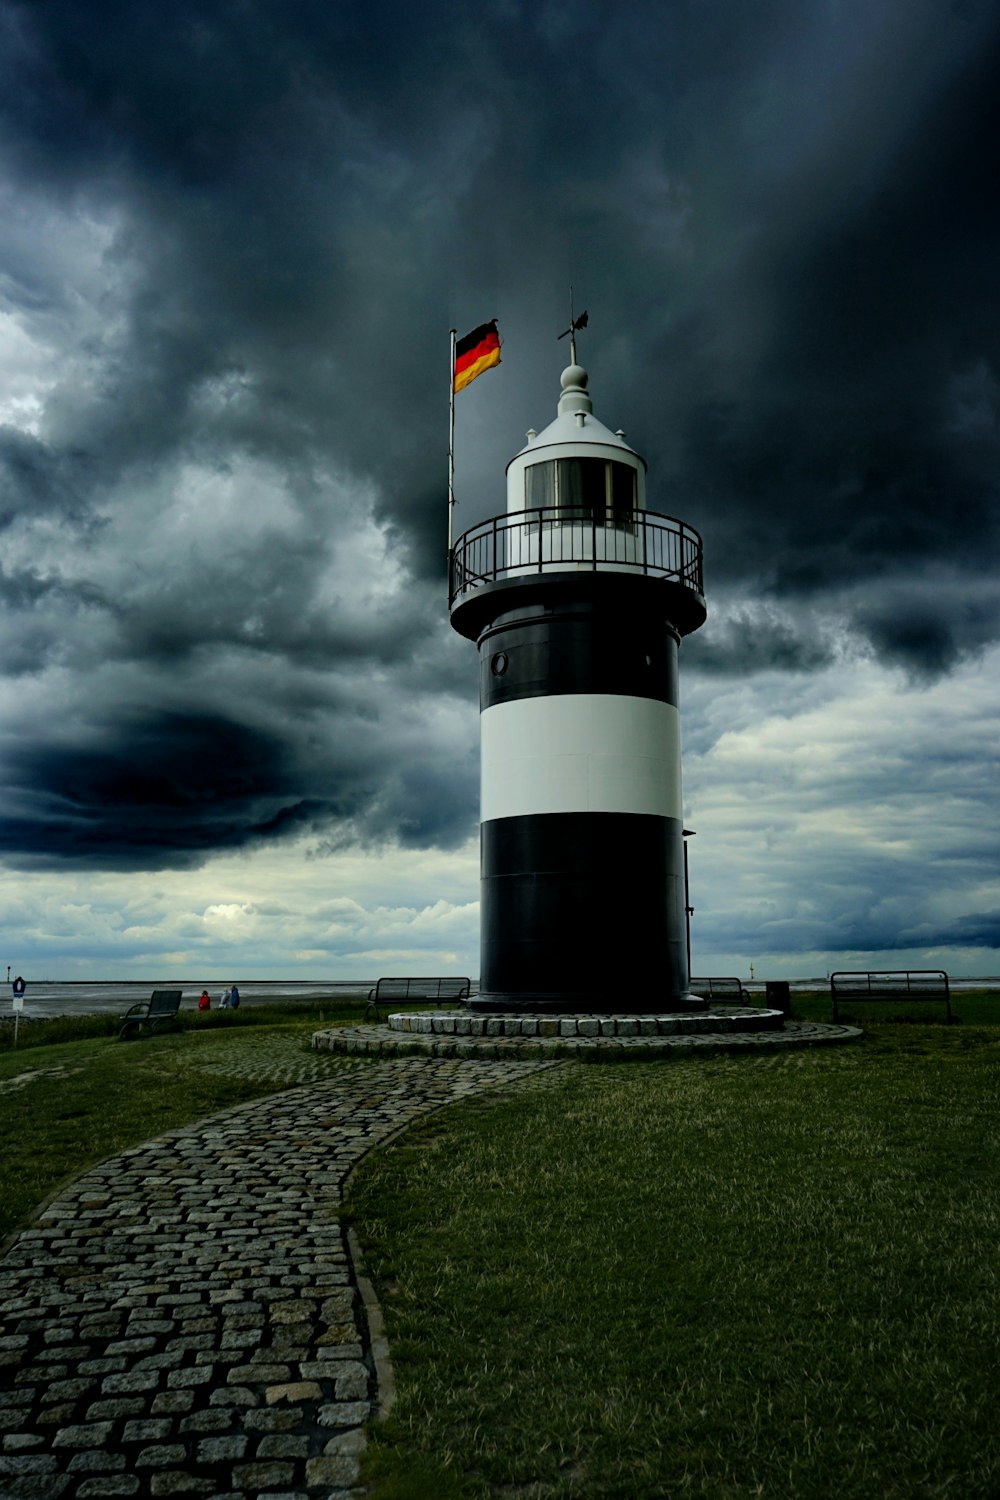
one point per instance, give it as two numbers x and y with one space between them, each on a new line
551 548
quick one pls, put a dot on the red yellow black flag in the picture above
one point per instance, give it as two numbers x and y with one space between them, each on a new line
478 351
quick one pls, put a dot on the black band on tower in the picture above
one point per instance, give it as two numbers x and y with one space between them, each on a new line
579 647
582 911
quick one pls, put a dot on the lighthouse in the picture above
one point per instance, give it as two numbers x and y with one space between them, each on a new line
578 597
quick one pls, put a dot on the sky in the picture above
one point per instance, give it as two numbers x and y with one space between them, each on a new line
238 737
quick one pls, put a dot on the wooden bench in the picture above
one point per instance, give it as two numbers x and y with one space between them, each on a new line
158 1013
415 991
726 991
889 984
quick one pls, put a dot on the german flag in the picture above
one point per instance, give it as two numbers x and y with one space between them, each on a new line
478 351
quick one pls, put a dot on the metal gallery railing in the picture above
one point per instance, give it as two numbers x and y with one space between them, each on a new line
551 538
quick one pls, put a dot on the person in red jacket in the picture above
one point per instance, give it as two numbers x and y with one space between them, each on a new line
204 1003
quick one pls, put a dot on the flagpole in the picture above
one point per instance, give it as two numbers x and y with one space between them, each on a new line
451 445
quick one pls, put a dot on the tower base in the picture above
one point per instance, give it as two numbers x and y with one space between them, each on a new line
575 1003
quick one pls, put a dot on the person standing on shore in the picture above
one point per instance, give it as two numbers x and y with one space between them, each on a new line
224 1000
234 998
204 1003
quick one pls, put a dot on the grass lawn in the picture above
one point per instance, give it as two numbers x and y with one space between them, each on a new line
66 1105
771 1276
971 1007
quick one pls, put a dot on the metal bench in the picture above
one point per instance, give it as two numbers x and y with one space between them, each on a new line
419 990
158 1013
726 991
889 984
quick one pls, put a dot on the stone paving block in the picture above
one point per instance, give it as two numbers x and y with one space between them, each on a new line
108 1365
283 1445
141 1344
179 1482
189 1375
115 1406
288 1340
83 1435
56 1416
10 1420
147 1430
217 1419
274 1419
129 1382
339 1343
267 1374
292 1312
172 1401
168 1360
250 1319
107 1486
354 1440
295 1390
14 1466
99 1326
256 1476
333 1469
17 1398
58 1334
343 1414
151 1325
160 1456
21 1442
213 1450
96 1461
233 1395
193 1343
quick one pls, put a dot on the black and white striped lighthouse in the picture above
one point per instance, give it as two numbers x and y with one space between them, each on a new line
578 598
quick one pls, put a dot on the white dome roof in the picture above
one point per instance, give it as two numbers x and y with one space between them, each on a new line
575 423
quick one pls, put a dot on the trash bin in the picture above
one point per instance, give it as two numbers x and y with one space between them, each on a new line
778 996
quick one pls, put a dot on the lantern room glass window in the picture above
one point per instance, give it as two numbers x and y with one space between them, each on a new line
540 486
586 490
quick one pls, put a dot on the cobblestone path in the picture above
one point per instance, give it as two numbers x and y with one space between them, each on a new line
185 1320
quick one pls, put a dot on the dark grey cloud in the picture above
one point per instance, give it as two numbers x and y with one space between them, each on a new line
167 790
237 236
976 930
755 637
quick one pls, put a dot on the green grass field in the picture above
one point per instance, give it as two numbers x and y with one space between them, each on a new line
969 1007
748 1276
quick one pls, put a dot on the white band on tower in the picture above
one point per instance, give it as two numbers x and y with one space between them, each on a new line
581 752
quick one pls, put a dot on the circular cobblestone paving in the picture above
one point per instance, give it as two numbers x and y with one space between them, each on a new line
457 1034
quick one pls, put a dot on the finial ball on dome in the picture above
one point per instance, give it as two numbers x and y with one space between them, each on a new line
574 375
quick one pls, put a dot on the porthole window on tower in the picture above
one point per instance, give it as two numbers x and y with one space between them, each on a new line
584 490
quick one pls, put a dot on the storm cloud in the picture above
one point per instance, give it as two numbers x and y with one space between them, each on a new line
233 238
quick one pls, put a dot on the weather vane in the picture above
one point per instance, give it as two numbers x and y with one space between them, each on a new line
574 324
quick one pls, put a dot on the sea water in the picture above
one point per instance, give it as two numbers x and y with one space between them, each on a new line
45 998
